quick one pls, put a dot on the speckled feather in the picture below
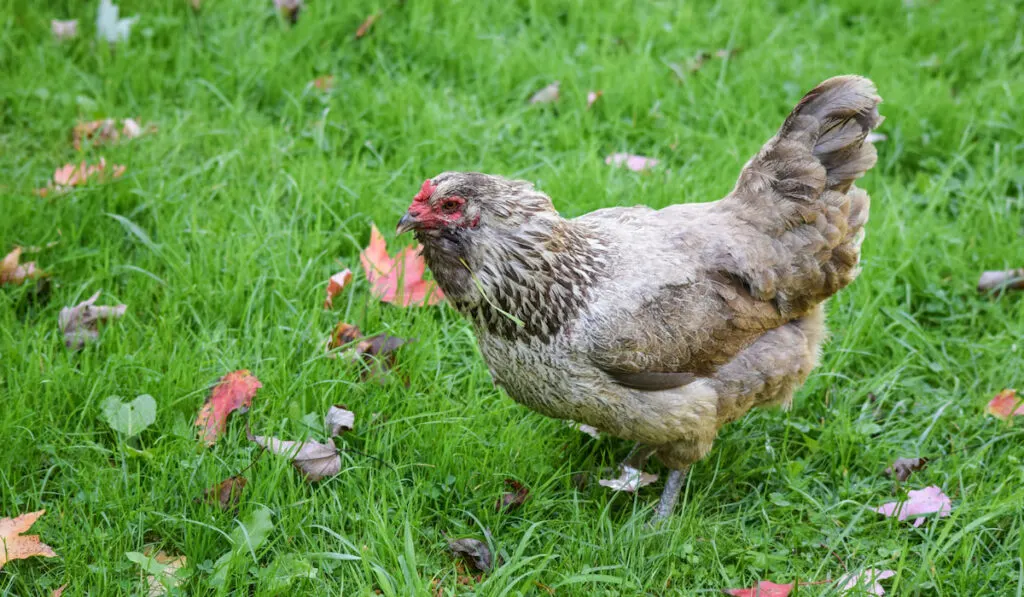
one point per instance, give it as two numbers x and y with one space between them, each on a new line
661 326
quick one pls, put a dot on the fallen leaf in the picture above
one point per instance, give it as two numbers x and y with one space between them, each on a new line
584 428
902 467
11 272
63 30
865 583
289 9
324 83
474 552
636 163
339 420
511 500
1011 279
110 26
335 285
196 4
72 175
162 571
726 53
106 131
365 27
1006 404
593 96
227 493
233 392
546 95
874 137
764 588
312 458
80 324
630 480
377 352
59 591
129 419
922 501
15 546
398 281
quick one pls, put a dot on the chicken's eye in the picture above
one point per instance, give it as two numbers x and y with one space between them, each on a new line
450 205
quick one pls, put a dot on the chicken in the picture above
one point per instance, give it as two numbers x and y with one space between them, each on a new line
661 326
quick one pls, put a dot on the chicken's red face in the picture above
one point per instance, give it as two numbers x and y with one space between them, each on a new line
438 209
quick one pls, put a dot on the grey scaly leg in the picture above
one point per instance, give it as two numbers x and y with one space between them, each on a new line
669 495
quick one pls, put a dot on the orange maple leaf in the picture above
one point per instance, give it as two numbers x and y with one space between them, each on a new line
397 280
15 546
234 391
1006 404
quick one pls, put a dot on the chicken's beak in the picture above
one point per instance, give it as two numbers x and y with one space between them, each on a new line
407 223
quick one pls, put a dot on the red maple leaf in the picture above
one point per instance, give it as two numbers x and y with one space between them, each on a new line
234 391
397 280
764 588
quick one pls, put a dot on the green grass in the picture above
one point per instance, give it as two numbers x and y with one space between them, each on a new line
256 186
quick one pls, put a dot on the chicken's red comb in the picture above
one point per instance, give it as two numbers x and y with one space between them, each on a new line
425 191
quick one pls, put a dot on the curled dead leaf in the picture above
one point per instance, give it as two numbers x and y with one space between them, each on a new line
313 459
903 467
227 493
513 499
13 272
80 324
289 9
593 96
1011 279
63 30
546 95
377 352
72 175
630 479
16 546
474 552
234 391
59 590
339 420
335 285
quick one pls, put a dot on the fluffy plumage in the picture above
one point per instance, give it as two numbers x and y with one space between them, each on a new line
662 326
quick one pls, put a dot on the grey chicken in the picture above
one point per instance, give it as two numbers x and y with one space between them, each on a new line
661 326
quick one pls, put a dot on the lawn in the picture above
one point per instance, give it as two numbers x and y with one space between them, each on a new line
222 233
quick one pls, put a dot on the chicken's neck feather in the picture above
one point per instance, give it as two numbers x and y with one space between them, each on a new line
522 283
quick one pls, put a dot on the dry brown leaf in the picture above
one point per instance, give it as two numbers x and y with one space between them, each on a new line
289 9
80 324
546 95
197 5
903 467
511 500
227 493
158 588
1011 279
15 546
63 30
1006 404
474 552
233 392
629 480
377 352
313 459
339 420
367 24
335 285
11 272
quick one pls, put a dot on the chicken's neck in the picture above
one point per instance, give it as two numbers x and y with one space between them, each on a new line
521 284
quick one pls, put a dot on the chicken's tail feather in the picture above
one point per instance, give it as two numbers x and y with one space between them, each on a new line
800 189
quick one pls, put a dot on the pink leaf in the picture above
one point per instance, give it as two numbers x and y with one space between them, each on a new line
335 285
1006 404
636 163
593 96
922 501
765 588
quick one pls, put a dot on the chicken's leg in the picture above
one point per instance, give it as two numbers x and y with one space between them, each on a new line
669 495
